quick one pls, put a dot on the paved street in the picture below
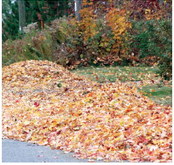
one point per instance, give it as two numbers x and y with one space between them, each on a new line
16 151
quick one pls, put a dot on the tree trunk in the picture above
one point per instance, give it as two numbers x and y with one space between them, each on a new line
77 7
22 18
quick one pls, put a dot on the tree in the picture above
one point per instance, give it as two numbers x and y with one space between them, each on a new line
78 4
22 18
10 19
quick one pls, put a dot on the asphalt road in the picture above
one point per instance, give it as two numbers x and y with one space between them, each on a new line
16 151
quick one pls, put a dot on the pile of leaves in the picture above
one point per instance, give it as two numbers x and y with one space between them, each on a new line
44 103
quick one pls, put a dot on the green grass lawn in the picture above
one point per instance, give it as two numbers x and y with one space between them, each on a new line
155 88
160 94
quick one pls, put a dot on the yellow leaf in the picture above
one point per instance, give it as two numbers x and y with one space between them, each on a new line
26 122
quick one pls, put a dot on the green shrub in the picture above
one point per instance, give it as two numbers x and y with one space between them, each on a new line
34 45
165 66
153 38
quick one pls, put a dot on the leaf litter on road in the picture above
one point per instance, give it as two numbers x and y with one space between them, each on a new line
44 103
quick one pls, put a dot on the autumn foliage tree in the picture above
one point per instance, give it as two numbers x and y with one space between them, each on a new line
119 24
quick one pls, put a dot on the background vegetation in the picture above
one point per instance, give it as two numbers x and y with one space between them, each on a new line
113 32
